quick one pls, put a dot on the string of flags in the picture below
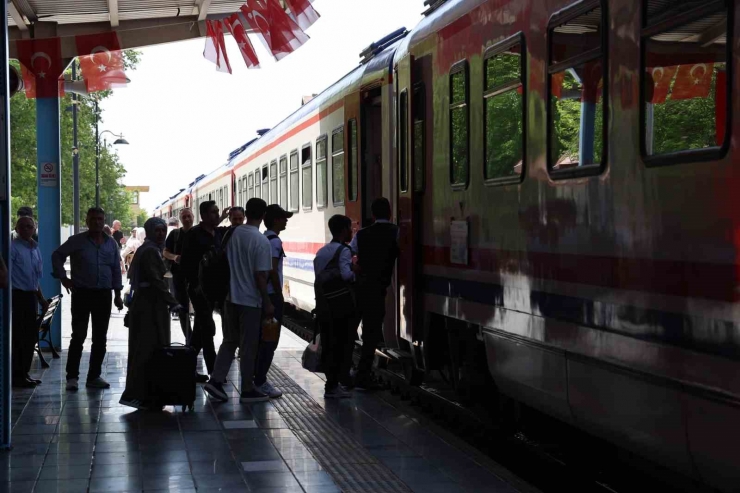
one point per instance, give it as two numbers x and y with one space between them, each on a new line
280 32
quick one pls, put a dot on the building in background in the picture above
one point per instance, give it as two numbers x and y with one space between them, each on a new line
136 210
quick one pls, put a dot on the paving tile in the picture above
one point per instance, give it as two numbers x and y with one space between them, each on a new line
303 465
171 483
65 472
218 481
240 424
69 459
17 487
163 456
11 474
265 466
128 483
116 458
270 480
11 461
115 470
151 469
62 486
313 478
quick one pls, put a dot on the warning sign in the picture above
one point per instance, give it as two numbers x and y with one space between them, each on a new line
49 175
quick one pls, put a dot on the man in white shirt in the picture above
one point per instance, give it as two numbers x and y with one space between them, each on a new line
250 263
276 220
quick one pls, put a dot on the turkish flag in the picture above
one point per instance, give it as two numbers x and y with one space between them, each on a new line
215 50
279 33
661 77
556 84
42 66
693 81
101 61
303 12
235 27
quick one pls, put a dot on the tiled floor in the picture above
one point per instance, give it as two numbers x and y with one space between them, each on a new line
86 442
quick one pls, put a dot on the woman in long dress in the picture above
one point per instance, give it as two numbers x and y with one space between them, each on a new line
149 319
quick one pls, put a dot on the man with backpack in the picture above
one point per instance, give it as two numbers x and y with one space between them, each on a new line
377 250
335 305
173 252
250 263
196 243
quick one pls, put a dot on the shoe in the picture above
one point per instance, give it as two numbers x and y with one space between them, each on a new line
253 396
34 380
135 403
338 392
368 385
97 383
216 390
201 378
72 384
24 384
272 392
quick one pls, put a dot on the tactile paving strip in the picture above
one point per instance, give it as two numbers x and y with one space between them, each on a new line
353 469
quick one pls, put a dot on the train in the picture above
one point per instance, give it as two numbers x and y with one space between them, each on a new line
563 176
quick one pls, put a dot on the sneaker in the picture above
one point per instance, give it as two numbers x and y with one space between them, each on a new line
72 384
135 403
272 392
216 390
338 392
97 383
253 396
201 378
368 385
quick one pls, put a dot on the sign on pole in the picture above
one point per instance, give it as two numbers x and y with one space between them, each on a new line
49 175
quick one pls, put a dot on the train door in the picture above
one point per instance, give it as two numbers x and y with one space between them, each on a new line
353 192
371 150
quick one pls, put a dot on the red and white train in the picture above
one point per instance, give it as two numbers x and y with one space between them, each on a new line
564 177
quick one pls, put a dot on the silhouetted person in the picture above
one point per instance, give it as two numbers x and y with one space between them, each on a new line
173 252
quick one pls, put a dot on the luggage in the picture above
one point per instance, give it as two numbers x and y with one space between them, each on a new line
174 370
311 359
214 273
334 297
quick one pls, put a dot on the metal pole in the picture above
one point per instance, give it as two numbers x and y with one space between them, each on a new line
97 157
75 157
5 299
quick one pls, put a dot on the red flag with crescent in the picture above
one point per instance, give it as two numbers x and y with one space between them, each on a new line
661 78
215 50
279 33
303 12
235 27
42 65
101 61
693 81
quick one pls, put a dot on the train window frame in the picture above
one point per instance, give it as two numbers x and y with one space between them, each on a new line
257 183
274 179
250 186
283 180
403 140
265 174
648 29
240 191
419 116
294 208
325 139
307 147
488 54
556 20
333 154
456 68
353 162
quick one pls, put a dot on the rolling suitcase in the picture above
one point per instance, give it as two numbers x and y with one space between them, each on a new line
174 369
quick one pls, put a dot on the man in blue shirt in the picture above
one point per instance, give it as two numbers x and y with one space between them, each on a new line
96 270
26 262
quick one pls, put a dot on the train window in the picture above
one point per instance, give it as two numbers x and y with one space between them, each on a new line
403 138
307 173
244 181
239 193
352 160
273 183
265 185
250 186
459 121
322 187
284 182
504 112
294 181
419 111
685 108
576 73
337 166
257 184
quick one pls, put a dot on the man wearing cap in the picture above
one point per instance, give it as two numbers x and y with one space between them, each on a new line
276 219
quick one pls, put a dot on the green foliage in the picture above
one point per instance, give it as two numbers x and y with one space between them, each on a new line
503 117
113 197
142 218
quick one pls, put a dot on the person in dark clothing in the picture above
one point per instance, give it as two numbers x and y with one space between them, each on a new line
173 252
376 248
96 270
199 240
117 234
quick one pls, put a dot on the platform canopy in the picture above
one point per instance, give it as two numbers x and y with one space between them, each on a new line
138 23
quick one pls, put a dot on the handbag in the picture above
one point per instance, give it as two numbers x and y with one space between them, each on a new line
311 359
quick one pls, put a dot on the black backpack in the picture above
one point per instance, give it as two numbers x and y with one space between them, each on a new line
213 272
334 297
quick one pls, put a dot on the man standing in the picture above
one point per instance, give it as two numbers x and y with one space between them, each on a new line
250 263
27 266
96 270
199 240
276 220
173 252
377 250
236 216
117 234
24 211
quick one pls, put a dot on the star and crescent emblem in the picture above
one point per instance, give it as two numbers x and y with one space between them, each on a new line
40 71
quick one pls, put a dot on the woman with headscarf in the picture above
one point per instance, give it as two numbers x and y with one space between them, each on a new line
149 319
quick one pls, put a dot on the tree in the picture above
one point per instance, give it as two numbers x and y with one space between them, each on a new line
113 197
142 218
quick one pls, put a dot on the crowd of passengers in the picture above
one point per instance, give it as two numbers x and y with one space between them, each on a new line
163 280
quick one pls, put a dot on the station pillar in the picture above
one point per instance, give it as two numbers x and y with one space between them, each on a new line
49 199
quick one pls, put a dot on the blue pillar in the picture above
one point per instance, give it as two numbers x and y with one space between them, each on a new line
50 198
588 123
5 300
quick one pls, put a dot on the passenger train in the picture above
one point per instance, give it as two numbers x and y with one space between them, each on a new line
564 176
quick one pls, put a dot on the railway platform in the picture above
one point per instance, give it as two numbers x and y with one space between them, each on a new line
87 442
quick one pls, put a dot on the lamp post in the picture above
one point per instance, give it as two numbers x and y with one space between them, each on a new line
119 141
